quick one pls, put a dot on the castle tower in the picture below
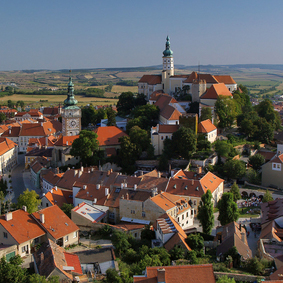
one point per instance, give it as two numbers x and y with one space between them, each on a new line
71 113
168 66
198 88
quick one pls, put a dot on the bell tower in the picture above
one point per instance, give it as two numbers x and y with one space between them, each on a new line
71 113
168 66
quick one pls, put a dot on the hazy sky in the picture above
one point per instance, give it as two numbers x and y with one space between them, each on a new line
62 34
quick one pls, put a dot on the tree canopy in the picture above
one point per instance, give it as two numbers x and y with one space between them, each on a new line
125 103
267 196
228 209
30 199
206 113
235 191
85 145
205 212
256 161
234 169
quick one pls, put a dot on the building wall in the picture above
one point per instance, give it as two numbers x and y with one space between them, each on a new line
211 136
272 176
9 159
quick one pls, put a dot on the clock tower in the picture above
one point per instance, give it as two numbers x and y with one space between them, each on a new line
168 66
71 114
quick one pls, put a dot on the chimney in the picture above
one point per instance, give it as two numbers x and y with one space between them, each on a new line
56 188
95 200
193 182
82 168
161 275
92 169
8 216
127 196
122 185
111 170
75 173
41 124
106 191
42 220
57 172
24 208
135 187
199 170
9 131
80 173
84 187
97 186
108 172
159 174
67 142
51 191
41 257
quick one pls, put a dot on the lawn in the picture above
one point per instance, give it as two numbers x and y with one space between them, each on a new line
255 212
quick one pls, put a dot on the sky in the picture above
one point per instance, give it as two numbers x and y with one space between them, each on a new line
68 34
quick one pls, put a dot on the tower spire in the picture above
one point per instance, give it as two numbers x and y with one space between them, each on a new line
71 97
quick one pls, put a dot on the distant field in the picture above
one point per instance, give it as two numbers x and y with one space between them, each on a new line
120 88
34 100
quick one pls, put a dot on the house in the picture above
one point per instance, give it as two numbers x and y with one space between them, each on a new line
53 260
8 154
272 172
33 113
207 129
37 152
121 122
49 179
39 164
233 235
170 233
202 273
86 216
55 197
21 229
61 151
57 226
159 134
108 138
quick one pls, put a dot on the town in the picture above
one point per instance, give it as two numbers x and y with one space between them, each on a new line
180 182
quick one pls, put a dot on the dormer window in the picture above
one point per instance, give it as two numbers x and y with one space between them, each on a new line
276 166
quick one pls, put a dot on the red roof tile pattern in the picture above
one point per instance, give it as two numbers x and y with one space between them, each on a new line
56 197
164 129
73 260
6 145
226 79
150 79
202 273
22 227
110 135
215 91
206 126
66 140
61 225
202 77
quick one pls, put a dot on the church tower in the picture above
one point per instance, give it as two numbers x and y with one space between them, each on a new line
168 66
71 113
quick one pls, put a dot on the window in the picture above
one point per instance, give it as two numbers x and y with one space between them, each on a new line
25 249
178 219
187 215
136 235
276 166
36 240
5 234
111 215
75 234
133 212
143 214
66 238
162 138
195 202
183 216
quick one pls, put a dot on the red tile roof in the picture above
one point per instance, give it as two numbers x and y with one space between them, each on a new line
56 197
74 261
210 182
202 273
195 76
206 126
110 135
61 225
228 80
22 227
6 145
215 91
66 140
150 79
168 128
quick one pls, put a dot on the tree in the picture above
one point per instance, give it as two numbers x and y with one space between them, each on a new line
112 275
203 143
264 131
235 191
267 196
88 115
12 271
125 103
234 169
30 199
10 103
225 279
140 138
206 113
222 148
228 209
195 242
85 145
205 212
2 117
140 100
111 116
226 111
67 208
177 253
184 140
120 242
254 266
256 161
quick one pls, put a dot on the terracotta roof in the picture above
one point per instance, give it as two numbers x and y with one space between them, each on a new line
6 145
271 210
22 227
167 128
50 110
176 239
278 159
14 131
52 257
51 178
47 152
215 91
226 79
42 141
170 113
40 129
66 140
129 226
268 155
56 197
164 100
195 76
69 178
109 135
206 126
210 182
156 93
32 112
148 183
202 273
61 225
150 79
